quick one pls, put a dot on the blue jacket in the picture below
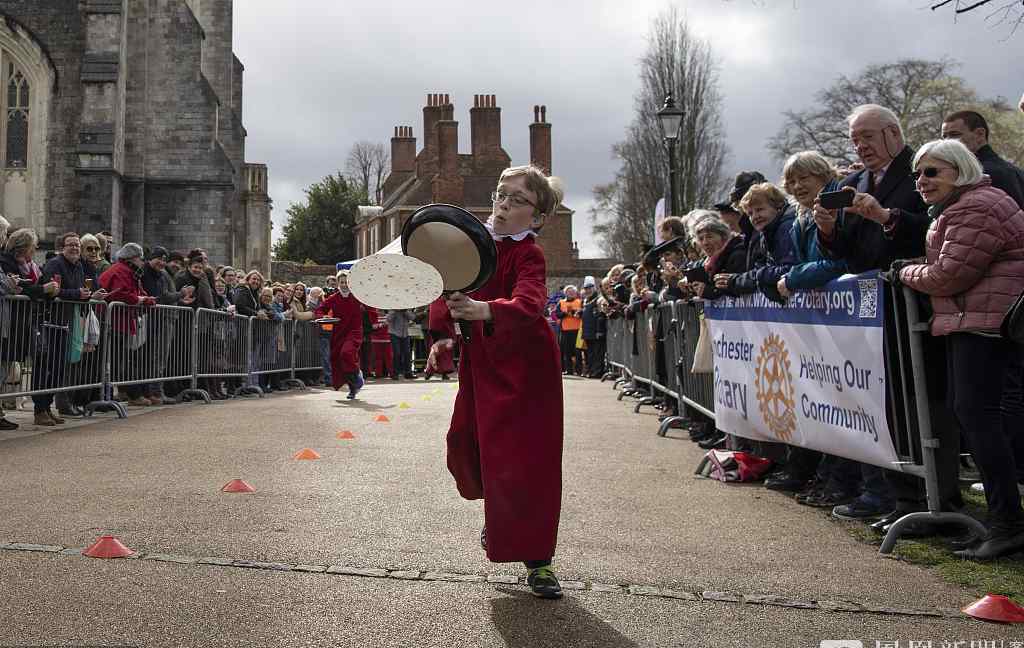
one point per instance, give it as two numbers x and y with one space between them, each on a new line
813 269
770 255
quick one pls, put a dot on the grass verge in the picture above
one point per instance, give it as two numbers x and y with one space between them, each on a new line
1003 576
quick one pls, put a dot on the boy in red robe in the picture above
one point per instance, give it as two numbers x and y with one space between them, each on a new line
346 336
505 438
437 314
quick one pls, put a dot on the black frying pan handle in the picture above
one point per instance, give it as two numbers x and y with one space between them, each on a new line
464 328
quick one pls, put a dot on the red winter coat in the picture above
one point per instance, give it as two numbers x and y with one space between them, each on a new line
505 438
121 285
975 261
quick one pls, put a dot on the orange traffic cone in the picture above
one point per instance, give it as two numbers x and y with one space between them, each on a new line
107 547
382 419
306 453
995 607
346 434
238 486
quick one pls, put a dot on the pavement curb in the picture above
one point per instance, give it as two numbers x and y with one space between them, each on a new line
639 590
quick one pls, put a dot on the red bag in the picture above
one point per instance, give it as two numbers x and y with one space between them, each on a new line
733 466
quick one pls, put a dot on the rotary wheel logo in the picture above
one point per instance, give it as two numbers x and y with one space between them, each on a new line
773 386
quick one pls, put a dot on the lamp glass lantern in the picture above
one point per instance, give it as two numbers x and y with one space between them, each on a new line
671 118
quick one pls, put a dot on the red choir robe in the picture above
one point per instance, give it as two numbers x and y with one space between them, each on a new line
505 438
438 315
346 336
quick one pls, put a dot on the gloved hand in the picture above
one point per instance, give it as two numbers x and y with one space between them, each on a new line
899 264
892 277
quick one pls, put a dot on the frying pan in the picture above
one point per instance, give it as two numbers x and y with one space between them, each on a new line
456 244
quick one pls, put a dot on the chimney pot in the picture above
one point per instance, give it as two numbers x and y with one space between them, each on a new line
536 113
494 101
544 114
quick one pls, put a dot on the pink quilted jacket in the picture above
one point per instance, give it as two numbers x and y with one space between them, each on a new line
975 261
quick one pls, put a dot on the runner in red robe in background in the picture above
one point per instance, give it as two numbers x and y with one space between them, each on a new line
438 314
505 437
346 336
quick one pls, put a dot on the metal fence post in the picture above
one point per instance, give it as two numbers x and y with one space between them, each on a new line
107 400
929 444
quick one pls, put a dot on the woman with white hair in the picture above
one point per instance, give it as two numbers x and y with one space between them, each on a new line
973 271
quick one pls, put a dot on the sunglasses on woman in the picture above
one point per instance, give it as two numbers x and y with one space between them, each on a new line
928 172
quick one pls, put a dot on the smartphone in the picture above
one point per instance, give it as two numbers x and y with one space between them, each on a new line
836 199
696 275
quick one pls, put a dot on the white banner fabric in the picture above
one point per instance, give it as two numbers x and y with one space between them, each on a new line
808 373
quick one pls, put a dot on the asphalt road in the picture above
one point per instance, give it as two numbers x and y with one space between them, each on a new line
646 544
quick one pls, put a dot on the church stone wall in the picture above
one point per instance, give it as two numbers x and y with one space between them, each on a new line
179 217
64 48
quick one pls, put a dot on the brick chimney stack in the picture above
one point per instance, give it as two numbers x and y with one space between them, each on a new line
403 150
403 160
448 186
540 139
485 125
438 107
448 147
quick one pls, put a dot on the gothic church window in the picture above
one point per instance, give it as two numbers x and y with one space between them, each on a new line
17 116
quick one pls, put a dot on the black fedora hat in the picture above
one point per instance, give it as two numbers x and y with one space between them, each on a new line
651 256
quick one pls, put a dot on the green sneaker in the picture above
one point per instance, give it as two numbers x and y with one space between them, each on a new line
543 583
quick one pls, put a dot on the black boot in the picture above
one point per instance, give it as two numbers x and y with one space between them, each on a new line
1004 538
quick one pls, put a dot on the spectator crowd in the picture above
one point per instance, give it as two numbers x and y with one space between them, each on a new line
51 340
945 220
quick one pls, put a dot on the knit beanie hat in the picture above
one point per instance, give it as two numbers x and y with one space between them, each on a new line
129 251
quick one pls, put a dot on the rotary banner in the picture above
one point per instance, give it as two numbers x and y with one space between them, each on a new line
808 373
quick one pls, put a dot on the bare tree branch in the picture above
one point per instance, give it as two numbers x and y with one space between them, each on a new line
366 165
677 62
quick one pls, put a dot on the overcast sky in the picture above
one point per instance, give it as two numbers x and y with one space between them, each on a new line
322 74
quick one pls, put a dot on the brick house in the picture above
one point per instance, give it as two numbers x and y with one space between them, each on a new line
439 173
126 116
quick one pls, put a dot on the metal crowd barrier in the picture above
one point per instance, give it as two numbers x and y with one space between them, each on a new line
222 347
615 347
698 390
141 348
909 412
272 344
680 330
51 347
306 349
907 404
83 350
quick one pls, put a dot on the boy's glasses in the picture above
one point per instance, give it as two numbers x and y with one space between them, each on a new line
928 172
518 200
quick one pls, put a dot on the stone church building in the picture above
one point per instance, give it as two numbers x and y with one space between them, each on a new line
439 173
126 116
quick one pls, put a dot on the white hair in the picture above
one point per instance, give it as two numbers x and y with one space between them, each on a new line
695 216
954 153
4 227
572 288
884 116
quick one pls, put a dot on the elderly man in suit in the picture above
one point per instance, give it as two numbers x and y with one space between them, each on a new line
888 221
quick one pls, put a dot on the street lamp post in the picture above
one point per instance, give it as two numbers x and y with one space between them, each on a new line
671 118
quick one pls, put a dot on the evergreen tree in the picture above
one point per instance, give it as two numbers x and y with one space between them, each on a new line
321 228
